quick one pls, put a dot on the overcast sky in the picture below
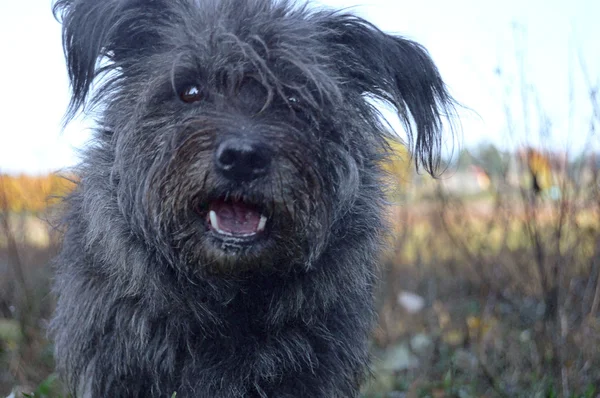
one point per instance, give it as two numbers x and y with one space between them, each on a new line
470 40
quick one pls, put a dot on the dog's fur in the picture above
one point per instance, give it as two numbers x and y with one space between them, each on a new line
151 299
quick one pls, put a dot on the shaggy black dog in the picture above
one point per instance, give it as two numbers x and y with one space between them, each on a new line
223 237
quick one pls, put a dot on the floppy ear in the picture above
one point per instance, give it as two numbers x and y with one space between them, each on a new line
400 72
93 30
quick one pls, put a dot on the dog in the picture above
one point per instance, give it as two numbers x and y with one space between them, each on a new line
223 236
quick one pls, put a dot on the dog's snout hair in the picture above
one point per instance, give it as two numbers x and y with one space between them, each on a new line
222 240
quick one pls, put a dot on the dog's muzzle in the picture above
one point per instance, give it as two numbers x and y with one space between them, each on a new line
242 159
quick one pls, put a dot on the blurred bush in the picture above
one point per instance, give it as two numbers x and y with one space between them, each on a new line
503 259
32 194
27 243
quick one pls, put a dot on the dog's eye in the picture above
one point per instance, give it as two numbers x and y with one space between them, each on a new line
191 94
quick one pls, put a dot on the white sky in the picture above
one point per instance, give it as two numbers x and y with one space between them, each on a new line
468 39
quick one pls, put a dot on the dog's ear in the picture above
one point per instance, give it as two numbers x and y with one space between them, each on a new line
96 30
398 71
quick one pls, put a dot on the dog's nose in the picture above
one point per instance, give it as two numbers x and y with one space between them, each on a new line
242 159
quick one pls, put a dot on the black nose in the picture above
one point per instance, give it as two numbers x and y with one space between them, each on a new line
242 159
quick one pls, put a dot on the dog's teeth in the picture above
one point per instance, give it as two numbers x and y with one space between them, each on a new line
214 220
262 223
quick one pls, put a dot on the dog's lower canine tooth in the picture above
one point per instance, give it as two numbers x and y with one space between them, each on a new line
262 224
214 220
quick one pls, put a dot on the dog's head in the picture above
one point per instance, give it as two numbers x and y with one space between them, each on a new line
240 133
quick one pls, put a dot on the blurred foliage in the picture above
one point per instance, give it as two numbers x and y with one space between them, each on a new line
49 388
540 169
25 193
399 167
510 276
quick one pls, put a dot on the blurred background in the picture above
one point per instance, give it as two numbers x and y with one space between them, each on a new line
491 284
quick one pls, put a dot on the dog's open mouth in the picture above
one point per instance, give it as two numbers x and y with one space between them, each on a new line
236 219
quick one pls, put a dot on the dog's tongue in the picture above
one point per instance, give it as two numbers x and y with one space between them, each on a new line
235 218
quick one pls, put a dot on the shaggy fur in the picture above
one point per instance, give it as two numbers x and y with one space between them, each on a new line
259 106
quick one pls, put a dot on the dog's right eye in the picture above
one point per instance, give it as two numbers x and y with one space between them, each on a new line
191 94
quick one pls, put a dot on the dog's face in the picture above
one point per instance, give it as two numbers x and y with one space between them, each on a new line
238 133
